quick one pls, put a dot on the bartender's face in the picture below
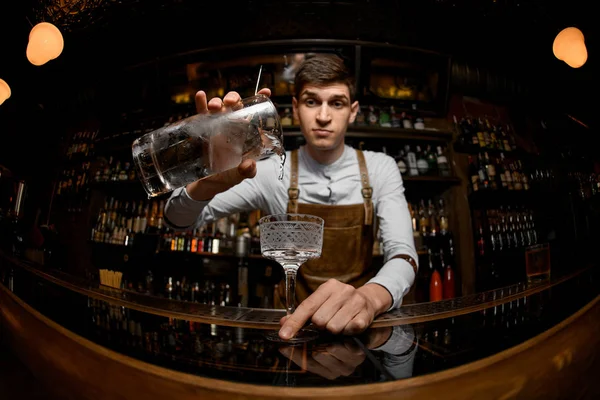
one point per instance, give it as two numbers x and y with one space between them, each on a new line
324 113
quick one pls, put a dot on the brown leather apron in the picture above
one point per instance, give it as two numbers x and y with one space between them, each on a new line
347 239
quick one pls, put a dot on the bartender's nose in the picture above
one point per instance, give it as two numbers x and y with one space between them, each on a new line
323 116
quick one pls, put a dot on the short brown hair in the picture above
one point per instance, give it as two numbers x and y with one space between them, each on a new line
324 69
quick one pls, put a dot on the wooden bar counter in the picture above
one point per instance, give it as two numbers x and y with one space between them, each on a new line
87 341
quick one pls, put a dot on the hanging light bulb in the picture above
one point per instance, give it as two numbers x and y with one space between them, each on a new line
4 91
569 46
45 43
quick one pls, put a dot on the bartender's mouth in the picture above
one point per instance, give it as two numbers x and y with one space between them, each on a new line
321 132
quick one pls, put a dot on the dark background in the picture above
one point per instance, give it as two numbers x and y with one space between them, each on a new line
506 42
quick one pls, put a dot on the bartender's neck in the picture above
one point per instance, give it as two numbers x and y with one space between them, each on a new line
325 157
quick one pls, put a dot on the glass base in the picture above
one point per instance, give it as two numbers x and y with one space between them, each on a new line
303 336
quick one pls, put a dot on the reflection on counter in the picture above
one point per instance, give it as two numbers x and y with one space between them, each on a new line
163 336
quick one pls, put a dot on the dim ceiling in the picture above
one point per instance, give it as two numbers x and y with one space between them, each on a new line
106 35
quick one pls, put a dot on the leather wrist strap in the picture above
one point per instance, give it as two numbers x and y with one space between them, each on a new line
409 259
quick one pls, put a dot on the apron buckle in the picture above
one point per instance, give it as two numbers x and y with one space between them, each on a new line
294 193
367 192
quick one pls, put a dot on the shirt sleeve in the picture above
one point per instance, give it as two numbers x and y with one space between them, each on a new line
183 213
399 352
396 275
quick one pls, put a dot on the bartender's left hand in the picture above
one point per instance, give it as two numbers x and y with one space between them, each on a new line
338 308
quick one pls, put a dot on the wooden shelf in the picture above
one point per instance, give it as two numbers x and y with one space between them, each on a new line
131 189
215 255
450 180
511 154
201 253
374 132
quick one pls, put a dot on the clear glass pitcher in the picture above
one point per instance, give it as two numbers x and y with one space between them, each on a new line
205 144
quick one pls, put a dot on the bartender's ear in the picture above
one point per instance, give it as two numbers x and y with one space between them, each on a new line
353 112
295 108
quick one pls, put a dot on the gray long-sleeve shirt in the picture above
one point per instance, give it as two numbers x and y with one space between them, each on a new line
334 184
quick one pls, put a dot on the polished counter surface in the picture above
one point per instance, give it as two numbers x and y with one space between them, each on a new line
228 344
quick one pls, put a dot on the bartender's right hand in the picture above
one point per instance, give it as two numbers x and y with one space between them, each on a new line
207 188
339 358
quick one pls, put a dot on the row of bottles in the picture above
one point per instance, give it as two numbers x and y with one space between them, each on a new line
430 222
119 221
130 128
587 184
459 334
436 280
208 239
505 229
217 237
423 160
479 133
116 171
148 335
376 116
82 144
497 173
73 188
389 117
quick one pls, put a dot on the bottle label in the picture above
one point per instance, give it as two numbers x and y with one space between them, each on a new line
475 182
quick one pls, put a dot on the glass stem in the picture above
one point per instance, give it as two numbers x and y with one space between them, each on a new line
290 288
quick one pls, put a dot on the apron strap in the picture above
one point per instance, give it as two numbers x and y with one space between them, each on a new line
367 190
293 191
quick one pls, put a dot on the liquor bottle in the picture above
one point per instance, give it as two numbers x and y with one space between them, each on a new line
490 170
424 279
511 138
473 131
501 172
443 218
494 137
372 118
484 183
384 118
286 118
481 242
411 157
415 225
400 160
423 220
507 173
407 121
466 132
395 117
442 162
360 118
434 227
486 134
504 139
431 160
480 135
435 285
422 164
449 282
473 174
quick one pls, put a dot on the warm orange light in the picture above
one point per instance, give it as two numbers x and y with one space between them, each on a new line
45 43
569 46
4 91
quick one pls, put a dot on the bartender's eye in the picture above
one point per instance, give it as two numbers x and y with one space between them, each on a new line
338 104
310 102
